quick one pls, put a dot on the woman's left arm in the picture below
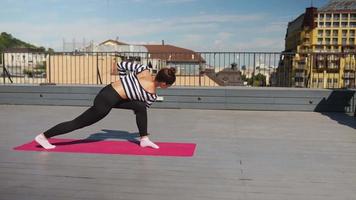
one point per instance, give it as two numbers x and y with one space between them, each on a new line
129 66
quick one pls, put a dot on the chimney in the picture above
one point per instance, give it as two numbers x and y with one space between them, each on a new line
162 42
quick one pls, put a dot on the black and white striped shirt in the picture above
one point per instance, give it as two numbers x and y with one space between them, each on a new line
134 91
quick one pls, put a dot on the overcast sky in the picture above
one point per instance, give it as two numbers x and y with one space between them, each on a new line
201 25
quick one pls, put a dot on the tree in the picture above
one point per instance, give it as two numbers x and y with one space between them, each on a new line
50 50
259 80
7 41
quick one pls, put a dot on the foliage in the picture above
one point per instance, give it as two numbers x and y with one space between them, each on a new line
259 80
8 41
256 80
34 72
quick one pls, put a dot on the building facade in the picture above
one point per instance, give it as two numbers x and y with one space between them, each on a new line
24 61
320 48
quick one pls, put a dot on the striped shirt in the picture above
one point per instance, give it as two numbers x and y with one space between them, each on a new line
134 91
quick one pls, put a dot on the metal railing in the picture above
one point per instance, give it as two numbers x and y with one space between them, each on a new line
310 70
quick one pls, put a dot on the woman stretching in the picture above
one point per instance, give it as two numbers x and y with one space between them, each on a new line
136 90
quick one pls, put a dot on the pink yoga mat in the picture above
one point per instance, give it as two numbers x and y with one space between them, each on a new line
113 147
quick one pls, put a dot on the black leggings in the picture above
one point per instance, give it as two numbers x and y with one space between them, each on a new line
104 101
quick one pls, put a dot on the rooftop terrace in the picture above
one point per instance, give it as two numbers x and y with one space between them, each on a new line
239 155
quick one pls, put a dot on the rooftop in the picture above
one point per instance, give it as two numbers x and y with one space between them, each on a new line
339 5
240 155
172 53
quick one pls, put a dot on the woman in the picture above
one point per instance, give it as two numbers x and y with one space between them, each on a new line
136 90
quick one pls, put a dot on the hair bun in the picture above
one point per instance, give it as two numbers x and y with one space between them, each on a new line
172 71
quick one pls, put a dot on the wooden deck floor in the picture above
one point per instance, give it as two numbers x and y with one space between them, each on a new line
240 155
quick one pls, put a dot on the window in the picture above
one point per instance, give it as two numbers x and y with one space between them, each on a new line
336 17
320 41
320 33
328 16
335 80
352 33
321 24
335 33
352 41
321 16
328 24
345 16
329 80
320 80
344 41
23 57
335 40
327 33
353 16
336 24
343 24
344 33
352 24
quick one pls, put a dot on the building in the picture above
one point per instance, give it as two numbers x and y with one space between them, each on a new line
96 64
186 61
225 77
320 48
20 62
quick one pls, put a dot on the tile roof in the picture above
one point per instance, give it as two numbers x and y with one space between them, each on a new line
173 54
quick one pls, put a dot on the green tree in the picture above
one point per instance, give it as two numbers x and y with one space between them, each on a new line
258 80
50 50
7 41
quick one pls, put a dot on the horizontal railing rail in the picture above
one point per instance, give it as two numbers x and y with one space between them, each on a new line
198 69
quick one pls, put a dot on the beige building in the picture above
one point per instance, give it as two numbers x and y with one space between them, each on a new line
320 48
99 67
20 62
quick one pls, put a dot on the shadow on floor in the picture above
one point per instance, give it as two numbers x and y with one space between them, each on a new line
342 118
337 101
103 135
337 104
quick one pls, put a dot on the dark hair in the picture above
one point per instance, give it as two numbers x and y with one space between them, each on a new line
166 75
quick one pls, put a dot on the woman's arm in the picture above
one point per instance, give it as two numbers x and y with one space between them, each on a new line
122 67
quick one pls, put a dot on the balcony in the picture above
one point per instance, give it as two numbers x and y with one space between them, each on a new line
299 84
349 68
349 75
301 64
344 24
299 75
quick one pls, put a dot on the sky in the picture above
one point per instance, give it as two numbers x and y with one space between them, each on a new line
200 25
